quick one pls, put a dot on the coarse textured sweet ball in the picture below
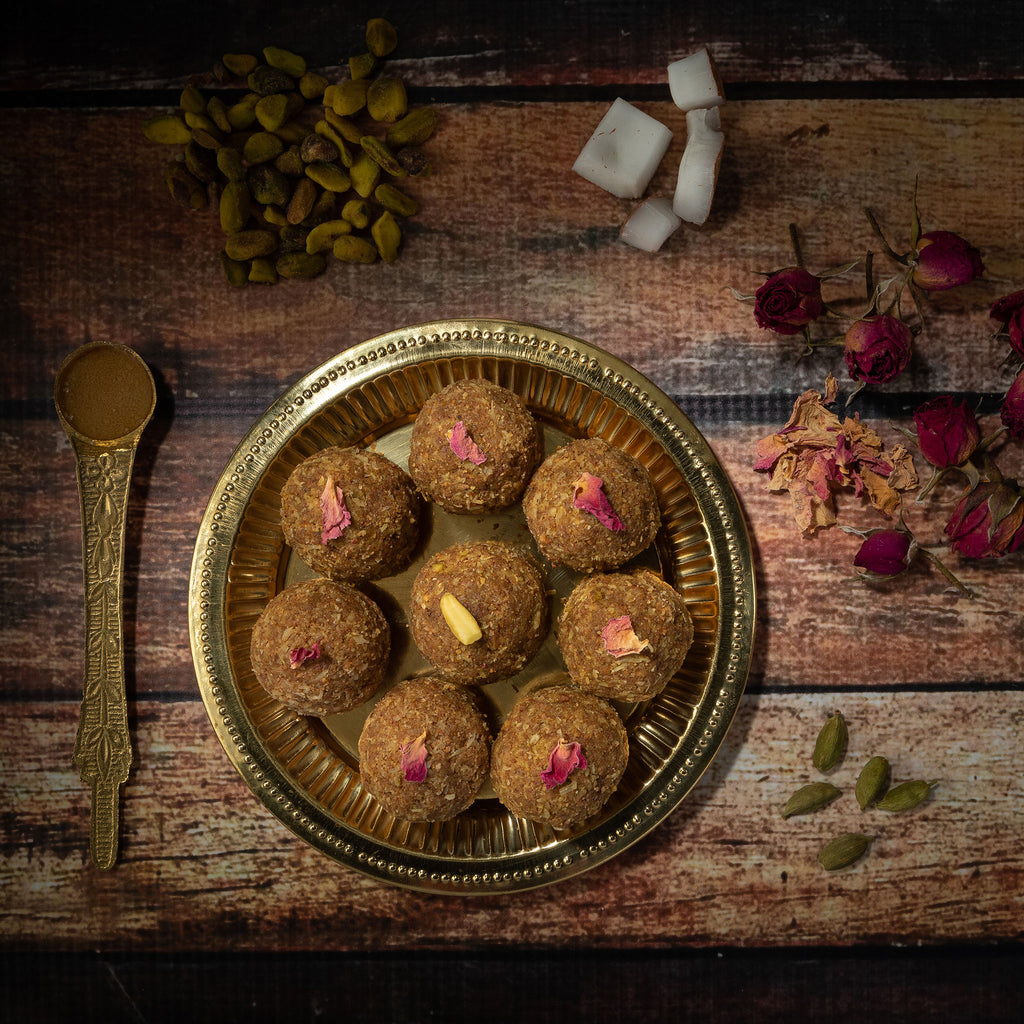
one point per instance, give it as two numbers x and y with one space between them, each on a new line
559 756
424 751
501 590
320 647
351 514
591 506
624 635
474 446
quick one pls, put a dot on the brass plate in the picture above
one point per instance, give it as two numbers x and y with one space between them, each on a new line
305 770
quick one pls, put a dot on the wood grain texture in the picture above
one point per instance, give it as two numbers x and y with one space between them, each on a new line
205 866
548 251
462 43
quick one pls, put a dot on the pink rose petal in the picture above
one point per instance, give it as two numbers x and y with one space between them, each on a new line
464 446
564 760
332 508
620 639
589 496
414 758
297 655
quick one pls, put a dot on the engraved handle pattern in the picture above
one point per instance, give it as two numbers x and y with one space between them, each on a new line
103 751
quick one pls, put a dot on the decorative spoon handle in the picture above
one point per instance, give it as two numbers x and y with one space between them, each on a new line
103 750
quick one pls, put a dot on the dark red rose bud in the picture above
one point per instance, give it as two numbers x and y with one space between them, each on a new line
1012 413
885 553
947 431
788 301
878 349
988 521
1009 311
945 260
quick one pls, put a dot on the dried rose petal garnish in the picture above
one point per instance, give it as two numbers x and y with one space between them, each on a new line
414 758
815 454
565 758
589 496
297 655
464 446
332 509
620 639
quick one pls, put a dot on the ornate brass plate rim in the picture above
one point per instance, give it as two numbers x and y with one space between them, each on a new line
538 349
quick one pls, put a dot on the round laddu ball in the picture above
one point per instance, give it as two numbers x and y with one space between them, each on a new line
474 446
503 592
424 751
559 756
591 506
351 514
320 647
624 635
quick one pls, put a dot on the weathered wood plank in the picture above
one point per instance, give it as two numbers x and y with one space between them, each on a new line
205 866
528 42
132 266
813 624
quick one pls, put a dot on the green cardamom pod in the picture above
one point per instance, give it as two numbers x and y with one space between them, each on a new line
844 851
872 782
906 796
830 746
811 797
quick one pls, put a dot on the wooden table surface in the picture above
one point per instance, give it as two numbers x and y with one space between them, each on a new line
721 911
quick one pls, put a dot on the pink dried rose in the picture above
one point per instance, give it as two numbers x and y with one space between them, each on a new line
1009 311
878 349
414 758
885 554
298 655
620 639
588 494
988 521
947 431
815 454
334 515
565 758
464 447
1012 411
788 301
945 260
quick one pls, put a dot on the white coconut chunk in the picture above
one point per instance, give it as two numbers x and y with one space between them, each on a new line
693 81
650 225
698 169
624 151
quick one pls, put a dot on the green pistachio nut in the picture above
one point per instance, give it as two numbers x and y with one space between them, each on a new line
284 60
167 129
302 265
412 130
241 65
387 236
247 245
235 207
386 99
381 37
185 188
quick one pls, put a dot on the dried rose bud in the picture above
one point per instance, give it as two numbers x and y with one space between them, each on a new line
885 554
1009 311
588 495
788 301
988 521
414 758
1012 413
947 431
878 349
945 260
565 758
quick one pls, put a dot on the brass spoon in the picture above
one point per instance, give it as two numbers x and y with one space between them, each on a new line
105 395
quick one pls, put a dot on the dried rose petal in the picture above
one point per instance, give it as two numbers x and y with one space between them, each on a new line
565 758
620 640
332 508
414 758
464 446
589 496
297 655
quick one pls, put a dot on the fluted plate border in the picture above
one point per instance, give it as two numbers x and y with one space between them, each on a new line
538 350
